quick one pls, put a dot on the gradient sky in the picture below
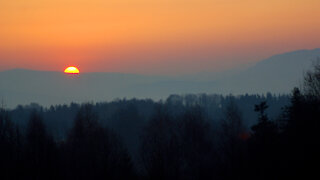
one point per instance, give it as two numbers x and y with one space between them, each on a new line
152 36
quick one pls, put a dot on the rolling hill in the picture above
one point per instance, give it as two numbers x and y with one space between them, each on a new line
277 74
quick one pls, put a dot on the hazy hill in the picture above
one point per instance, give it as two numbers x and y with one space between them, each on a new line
277 74
24 86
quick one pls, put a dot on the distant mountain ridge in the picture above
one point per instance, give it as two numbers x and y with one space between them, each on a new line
277 74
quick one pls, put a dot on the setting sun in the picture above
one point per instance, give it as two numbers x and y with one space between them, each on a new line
71 70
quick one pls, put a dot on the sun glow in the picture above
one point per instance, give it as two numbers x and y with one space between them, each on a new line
71 70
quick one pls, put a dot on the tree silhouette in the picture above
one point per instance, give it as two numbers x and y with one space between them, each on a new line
93 152
177 148
160 150
197 145
300 137
10 144
260 108
40 151
263 145
232 150
312 81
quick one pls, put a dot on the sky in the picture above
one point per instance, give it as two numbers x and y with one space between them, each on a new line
152 36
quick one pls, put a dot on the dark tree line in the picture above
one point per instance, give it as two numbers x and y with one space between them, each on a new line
177 148
90 151
185 137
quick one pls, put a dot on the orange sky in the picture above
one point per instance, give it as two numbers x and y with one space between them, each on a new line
152 36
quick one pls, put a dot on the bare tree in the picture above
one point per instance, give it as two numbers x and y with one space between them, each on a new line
312 81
